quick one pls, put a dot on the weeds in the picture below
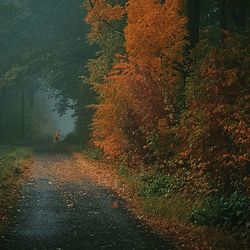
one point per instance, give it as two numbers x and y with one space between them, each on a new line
230 213
10 171
93 153
174 207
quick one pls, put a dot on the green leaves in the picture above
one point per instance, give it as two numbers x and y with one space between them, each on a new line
156 184
231 213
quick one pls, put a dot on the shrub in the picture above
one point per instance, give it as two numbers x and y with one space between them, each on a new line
231 213
94 153
156 184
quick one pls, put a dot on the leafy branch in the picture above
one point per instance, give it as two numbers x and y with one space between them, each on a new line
92 5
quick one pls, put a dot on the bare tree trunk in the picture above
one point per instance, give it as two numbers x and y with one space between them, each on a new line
223 14
242 15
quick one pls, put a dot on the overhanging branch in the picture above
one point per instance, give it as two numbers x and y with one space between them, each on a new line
92 5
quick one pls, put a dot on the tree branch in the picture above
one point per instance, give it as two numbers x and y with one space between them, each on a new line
92 5
180 68
113 27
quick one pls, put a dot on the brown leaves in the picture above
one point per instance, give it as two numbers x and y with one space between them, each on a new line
115 205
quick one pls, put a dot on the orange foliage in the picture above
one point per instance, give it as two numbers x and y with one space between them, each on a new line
147 110
216 129
155 38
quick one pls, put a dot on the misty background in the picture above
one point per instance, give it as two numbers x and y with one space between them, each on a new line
43 54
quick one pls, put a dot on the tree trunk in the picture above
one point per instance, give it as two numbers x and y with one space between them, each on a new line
193 12
23 113
223 15
242 15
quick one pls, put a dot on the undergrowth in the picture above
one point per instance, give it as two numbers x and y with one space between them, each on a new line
11 168
93 152
162 196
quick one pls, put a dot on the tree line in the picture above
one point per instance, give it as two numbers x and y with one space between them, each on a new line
172 83
42 47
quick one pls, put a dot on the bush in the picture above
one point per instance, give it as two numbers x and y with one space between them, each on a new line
11 167
123 170
156 184
231 213
93 153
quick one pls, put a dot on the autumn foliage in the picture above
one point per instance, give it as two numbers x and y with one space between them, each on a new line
154 109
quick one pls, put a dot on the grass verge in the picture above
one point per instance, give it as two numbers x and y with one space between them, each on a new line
166 212
13 163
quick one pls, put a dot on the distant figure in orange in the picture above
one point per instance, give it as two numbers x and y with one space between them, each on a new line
57 135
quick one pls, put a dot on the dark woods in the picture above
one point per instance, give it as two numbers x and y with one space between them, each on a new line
43 48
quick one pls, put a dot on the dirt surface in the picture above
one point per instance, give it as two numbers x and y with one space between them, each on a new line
61 208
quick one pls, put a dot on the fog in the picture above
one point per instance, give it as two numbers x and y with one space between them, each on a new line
43 40
52 120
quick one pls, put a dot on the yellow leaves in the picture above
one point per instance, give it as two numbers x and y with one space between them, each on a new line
134 88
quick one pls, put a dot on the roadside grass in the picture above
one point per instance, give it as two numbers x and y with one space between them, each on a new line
174 208
13 162
154 198
159 198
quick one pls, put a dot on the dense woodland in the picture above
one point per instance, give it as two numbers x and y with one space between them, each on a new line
160 83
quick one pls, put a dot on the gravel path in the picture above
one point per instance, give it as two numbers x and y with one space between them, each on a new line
62 209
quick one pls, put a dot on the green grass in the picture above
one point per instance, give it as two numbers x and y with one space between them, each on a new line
174 207
10 172
159 194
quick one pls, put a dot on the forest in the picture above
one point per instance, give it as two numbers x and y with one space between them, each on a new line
40 50
173 93
159 88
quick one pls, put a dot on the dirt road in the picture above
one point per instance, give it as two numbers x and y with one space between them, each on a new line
62 209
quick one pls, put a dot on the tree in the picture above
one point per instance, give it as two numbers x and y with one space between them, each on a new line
137 79
37 42
147 112
193 10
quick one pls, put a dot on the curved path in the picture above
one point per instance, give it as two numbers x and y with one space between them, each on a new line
62 209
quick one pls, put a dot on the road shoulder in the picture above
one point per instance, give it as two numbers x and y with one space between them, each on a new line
186 236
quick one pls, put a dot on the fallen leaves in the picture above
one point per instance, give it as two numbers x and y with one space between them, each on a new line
185 236
115 205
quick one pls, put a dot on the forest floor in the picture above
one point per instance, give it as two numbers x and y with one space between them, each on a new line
63 206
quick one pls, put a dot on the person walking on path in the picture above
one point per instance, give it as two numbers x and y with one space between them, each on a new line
57 135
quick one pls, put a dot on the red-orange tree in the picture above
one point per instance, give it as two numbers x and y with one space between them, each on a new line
146 109
216 130
154 40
